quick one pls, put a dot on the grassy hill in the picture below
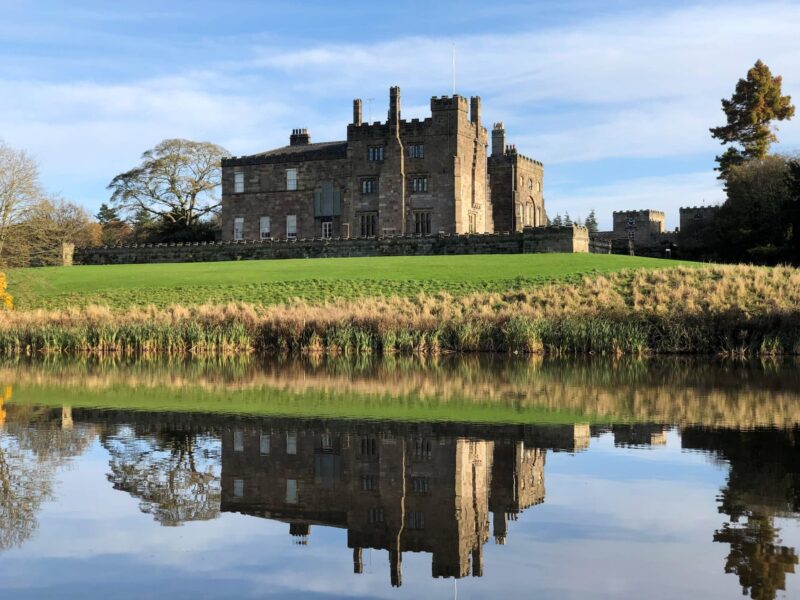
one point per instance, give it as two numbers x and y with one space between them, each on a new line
274 281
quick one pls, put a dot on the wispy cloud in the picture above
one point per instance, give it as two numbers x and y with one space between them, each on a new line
632 85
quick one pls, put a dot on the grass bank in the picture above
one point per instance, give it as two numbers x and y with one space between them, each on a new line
734 310
469 388
271 282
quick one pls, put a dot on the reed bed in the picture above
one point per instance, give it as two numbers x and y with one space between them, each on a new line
731 310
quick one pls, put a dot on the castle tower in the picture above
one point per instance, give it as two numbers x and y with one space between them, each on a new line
498 139
475 110
392 184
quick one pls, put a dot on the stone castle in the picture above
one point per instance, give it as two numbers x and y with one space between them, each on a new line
645 233
420 177
434 186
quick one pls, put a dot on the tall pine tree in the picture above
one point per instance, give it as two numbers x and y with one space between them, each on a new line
591 222
756 102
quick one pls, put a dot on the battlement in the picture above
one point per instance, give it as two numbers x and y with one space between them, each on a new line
449 103
699 208
643 212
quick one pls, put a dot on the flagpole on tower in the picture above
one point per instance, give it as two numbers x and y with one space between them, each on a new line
454 69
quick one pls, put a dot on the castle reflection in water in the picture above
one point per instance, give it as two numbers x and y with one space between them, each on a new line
433 487
408 490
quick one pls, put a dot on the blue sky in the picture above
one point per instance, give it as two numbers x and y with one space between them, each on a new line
615 97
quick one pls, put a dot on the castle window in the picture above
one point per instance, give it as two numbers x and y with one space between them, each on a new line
327 201
369 483
419 183
291 179
416 151
291 443
415 519
419 485
375 153
238 228
238 441
264 228
368 186
238 488
238 182
291 227
327 230
538 186
375 515
369 447
263 445
422 222
422 449
530 184
473 223
291 491
368 224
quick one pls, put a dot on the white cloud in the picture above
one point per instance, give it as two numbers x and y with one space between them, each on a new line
645 84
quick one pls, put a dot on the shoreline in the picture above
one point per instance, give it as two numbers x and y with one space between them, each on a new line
731 311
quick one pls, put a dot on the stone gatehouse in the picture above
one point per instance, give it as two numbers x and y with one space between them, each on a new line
400 177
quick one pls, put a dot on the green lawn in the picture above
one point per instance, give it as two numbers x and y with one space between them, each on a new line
272 281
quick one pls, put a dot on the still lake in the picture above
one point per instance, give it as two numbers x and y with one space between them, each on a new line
476 477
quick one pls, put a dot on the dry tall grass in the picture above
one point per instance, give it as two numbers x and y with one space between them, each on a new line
736 310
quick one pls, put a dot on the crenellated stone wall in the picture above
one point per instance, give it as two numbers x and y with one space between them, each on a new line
531 240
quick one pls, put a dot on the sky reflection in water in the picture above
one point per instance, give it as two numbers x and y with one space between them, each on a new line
615 480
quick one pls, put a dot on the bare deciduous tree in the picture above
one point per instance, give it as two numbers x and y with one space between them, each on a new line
176 181
19 188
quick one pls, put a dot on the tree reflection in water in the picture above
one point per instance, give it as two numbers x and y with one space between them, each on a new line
386 480
757 556
174 474
763 484
34 443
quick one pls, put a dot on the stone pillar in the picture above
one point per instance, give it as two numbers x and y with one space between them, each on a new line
396 567
498 139
67 253
357 112
475 110
392 183
477 561
394 106
66 417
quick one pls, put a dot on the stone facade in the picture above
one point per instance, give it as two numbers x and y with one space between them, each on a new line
642 232
516 186
638 225
531 240
398 177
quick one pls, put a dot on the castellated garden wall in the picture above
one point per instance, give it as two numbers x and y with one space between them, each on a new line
530 240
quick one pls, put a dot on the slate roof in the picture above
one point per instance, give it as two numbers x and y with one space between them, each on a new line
319 151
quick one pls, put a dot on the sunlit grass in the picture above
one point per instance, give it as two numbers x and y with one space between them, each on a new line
270 282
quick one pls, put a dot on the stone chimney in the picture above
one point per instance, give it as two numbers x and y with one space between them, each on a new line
299 137
358 561
394 104
357 112
498 139
475 110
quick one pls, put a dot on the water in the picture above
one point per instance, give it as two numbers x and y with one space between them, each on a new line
470 478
